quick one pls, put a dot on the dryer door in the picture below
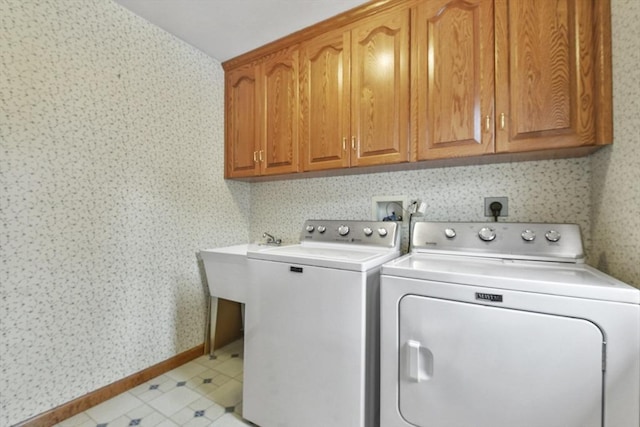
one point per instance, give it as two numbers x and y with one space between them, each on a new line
465 364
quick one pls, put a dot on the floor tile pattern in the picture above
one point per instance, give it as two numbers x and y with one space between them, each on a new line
206 392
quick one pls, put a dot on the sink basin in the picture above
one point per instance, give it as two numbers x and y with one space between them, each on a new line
227 271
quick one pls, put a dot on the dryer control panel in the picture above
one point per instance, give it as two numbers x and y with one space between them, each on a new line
529 241
376 233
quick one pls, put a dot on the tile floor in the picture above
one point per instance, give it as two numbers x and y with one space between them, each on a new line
203 392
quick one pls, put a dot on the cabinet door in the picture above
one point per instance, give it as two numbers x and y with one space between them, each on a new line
324 102
279 108
546 74
380 90
241 128
453 63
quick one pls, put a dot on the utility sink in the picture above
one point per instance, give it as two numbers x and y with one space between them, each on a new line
227 271
228 277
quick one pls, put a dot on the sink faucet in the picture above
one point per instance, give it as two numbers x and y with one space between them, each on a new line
271 240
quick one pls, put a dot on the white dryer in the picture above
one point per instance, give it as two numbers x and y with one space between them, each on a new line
503 325
312 331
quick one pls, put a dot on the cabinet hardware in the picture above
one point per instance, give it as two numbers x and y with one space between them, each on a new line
260 155
353 143
255 157
487 123
344 143
501 121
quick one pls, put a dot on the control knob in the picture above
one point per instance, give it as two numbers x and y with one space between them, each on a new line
487 234
528 235
450 233
310 228
343 230
322 229
552 235
382 232
368 231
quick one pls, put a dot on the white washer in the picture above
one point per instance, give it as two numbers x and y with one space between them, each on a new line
312 331
503 325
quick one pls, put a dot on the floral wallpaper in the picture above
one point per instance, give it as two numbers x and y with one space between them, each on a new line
543 191
615 180
111 178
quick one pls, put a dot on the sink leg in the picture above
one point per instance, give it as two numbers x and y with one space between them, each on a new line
213 319
242 314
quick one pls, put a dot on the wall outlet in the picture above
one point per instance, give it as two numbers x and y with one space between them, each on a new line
505 205
417 207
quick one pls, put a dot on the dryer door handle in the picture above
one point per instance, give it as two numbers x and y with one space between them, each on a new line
419 361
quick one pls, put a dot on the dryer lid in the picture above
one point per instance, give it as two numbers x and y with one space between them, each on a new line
565 279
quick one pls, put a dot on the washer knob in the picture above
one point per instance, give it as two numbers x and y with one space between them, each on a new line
322 229
552 235
368 231
310 228
343 230
382 232
487 234
450 233
528 235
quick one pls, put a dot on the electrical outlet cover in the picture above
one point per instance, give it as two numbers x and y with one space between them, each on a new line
503 200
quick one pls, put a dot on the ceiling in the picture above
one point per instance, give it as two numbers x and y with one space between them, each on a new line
224 29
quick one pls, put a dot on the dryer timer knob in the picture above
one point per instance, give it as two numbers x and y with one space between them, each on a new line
450 233
368 231
552 235
310 228
322 229
528 235
382 232
343 230
487 234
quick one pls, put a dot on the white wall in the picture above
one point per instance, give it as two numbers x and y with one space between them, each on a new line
616 170
111 147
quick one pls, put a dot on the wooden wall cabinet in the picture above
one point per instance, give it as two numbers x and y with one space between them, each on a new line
242 139
355 95
552 78
398 81
262 117
453 79
554 82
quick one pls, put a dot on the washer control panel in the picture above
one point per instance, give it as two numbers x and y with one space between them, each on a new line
378 233
534 241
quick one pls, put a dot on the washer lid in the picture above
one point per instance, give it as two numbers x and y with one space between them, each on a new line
572 280
344 257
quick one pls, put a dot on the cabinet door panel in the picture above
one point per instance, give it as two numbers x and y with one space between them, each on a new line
280 110
453 73
242 140
324 102
547 57
380 90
